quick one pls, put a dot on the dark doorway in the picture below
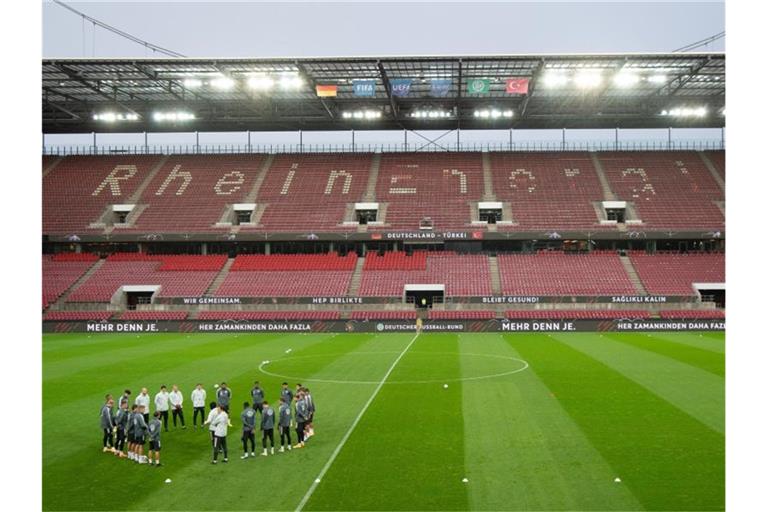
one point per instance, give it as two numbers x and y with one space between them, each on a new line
424 299
136 298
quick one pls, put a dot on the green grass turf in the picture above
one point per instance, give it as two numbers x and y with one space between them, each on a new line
553 436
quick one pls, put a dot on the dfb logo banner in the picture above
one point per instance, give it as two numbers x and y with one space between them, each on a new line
478 86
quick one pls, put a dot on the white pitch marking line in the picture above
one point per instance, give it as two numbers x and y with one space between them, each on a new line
347 435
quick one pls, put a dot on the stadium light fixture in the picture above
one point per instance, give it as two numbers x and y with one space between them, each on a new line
362 114
261 82
173 116
588 78
685 112
224 83
290 81
431 114
192 83
112 117
555 79
657 79
494 113
626 79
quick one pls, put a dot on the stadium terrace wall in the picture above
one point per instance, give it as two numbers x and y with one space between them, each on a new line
491 299
390 236
248 326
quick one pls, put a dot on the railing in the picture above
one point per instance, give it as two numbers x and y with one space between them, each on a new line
206 149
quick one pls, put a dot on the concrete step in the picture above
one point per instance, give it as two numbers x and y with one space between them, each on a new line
493 265
144 184
354 283
265 165
608 194
488 194
216 283
633 277
712 170
373 177
59 304
51 166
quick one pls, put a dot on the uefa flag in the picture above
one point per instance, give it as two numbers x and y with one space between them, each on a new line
478 86
517 86
400 86
326 91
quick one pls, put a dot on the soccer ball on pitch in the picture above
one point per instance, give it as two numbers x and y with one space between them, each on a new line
216 386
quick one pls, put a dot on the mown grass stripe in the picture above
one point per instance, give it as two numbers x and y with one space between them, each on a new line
522 450
669 460
706 360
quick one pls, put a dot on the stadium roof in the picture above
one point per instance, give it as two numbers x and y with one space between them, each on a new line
418 93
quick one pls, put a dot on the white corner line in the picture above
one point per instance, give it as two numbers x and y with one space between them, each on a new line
351 429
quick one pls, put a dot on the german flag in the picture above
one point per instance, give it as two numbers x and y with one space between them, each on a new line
326 91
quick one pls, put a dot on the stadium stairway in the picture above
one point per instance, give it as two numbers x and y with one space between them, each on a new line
51 165
220 277
59 304
265 165
144 184
488 194
608 194
354 283
493 266
633 277
373 177
713 170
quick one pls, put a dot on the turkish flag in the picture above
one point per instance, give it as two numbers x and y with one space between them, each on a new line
477 235
517 86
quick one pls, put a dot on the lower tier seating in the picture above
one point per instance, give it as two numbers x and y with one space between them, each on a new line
153 315
383 315
693 313
60 273
674 274
283 283
556 314
268 315
83 316
462 315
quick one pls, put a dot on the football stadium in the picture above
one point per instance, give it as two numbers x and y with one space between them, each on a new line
449 316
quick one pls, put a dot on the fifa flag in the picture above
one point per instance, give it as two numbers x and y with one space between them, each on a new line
364 87
400 86
440 87
517 86
326 91
478 86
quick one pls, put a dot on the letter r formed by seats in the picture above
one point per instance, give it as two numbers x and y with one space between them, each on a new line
113 179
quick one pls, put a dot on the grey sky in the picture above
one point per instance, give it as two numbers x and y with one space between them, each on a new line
270 29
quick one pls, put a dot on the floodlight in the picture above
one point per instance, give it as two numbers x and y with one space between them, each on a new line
173 116
260 82
290 81
555 79
588 78
685 112
657 79
192 83
224 83
111 117
626 79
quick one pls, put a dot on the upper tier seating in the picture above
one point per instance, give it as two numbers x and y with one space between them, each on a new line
82 316
61 271
553 191
671 190
558 314
153 315
461 315
693 313
718 159
439 186
177 275
396 260
311 192
190 193
78 189
674 274
462 275
557 273
268 315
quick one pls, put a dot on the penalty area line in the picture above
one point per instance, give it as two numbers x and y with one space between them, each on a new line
351 429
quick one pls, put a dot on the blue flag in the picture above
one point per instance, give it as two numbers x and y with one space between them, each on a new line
401 86
364 87
440 87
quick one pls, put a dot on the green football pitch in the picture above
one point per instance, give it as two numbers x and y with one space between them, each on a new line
586 421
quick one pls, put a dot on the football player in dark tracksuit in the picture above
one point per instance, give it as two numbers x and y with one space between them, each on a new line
302 415
139 431
107 424
249 426
154 428
286 393
223 396
284 425
121 422
267 427
257 396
